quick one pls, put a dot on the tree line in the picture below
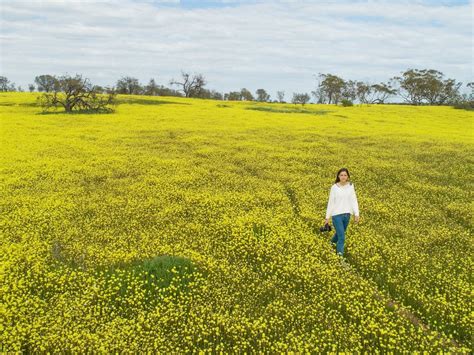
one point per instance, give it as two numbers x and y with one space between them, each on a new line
414 86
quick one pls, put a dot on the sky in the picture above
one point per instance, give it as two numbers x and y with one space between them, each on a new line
278 45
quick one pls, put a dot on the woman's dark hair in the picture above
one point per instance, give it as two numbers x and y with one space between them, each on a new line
340 171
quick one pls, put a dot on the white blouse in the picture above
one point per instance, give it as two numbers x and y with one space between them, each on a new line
342 199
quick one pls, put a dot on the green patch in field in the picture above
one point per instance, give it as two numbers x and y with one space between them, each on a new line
160 270
149 280
140 101
153 279
260 230
30 104
77 112
290 193
288 110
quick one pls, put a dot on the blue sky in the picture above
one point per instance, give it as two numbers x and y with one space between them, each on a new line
275 45
223 3
193 4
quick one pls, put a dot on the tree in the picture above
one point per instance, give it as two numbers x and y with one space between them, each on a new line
129 86
426 86
211 94
281 96
164 91
190 85
319 95
215 95
466 100
439 91
349 90
300 98
242 95
151 89
262 95
364 92
76 93
6 85
330 88
382 92
246 95
377 93
46 83
100 89
232 96
31 87
470 85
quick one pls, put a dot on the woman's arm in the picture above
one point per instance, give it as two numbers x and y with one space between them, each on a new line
355 204
330 204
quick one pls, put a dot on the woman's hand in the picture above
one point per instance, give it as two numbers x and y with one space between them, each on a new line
326 221
356 219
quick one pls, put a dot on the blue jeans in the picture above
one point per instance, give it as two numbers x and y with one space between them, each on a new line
340 223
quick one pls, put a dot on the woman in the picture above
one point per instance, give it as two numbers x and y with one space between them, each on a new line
342 203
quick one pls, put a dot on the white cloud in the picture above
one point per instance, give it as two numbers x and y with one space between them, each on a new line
274 45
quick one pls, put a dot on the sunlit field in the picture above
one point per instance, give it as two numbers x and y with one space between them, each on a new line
179 225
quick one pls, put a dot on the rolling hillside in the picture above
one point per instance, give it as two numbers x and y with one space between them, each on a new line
183 225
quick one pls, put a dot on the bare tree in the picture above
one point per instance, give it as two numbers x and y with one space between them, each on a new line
190 85
76 93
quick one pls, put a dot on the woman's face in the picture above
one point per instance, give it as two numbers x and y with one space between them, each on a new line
343 176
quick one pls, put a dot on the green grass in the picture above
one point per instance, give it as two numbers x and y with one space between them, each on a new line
288 110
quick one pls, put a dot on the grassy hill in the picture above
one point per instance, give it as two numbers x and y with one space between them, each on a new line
179 224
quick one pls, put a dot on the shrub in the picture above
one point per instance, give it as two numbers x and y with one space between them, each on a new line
464 105
346 102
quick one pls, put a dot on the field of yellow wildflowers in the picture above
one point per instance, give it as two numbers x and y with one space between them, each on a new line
179 225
